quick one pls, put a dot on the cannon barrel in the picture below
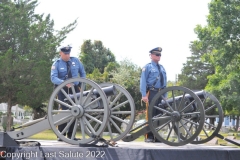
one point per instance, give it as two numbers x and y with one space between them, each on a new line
111 90
200 94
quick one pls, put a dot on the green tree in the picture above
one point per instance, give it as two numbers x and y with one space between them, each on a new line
220 39
28 46
111 66
195 71
95 55
128 76
105 76
96 76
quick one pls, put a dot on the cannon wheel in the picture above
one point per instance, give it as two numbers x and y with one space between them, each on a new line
122 112
82 112
213 110
177 117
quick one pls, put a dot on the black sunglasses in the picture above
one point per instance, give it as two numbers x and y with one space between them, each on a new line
157 54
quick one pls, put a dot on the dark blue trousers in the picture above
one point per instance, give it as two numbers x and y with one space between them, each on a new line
155 111
61 97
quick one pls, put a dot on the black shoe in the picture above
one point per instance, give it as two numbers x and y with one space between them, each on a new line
74 138
149 140
157 141
59 139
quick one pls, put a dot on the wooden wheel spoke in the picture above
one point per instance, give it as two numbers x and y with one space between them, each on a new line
188 133
89 126
116 126
115 100
88 96
61 111
62 103
183 97
213 106
187 106
163 110
82 128
118 106
81 93
94 101
122 112
62 119
166 102
93 118
67 126
67 96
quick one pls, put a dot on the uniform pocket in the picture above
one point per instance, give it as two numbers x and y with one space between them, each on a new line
62 73
75 67
153 73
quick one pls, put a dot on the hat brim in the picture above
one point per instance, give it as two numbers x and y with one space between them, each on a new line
152 52
66 52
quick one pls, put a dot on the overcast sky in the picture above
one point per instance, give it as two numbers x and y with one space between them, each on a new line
131 28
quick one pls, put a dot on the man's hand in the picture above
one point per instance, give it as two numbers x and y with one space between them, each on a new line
69 85
145 99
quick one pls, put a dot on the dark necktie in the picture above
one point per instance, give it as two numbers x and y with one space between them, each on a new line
161 75
69 73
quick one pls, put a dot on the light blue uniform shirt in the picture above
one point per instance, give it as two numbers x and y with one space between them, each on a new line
148 77
59 70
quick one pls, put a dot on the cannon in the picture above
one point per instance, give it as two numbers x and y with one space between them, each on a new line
185 117
182 118
92 110
213 112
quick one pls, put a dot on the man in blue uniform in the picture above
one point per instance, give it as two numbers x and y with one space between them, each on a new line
153 79
62 69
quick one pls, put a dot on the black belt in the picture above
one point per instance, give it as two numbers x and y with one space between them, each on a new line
65 87
155 89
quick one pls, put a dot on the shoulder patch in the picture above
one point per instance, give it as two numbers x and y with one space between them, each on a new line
144 69
53 67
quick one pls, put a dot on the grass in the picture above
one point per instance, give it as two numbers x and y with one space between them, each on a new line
45 135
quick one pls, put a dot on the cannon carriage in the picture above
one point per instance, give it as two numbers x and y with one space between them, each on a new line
185 117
